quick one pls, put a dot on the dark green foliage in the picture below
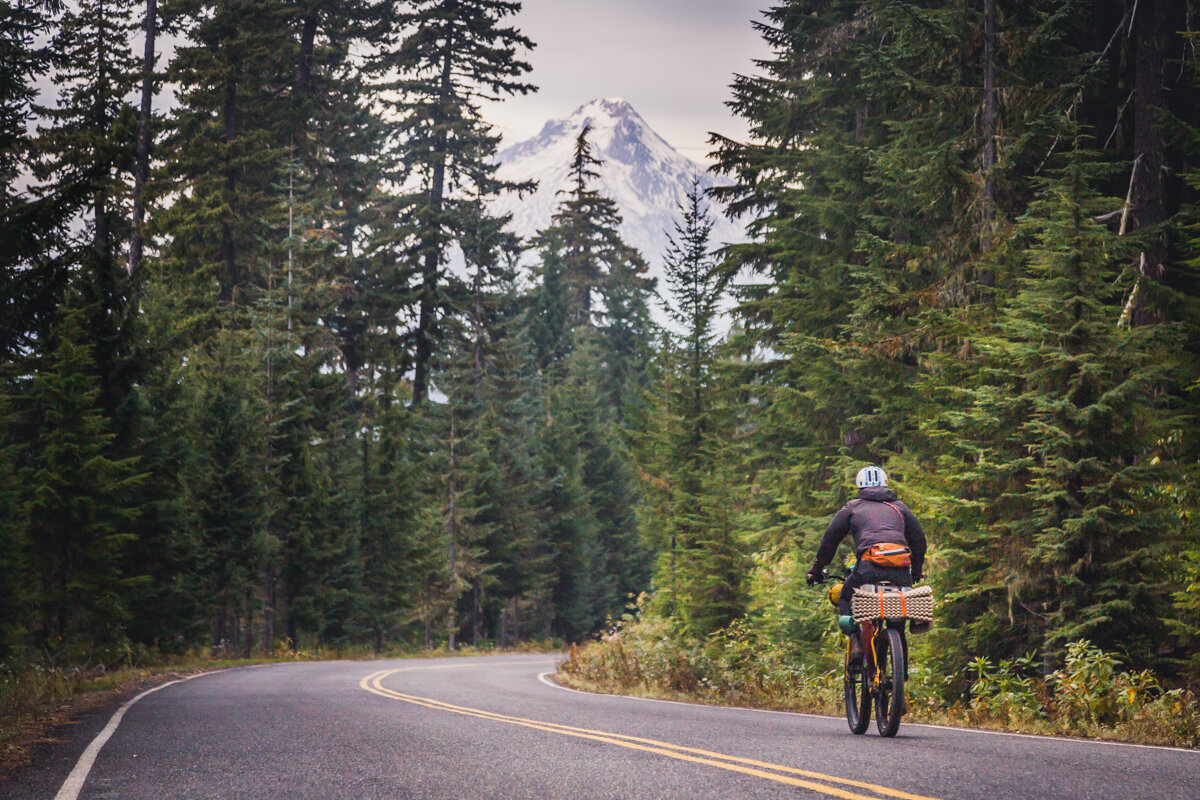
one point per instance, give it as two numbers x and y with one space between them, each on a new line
227 147
168 609
973 260
226 413
1064 435
32 275
388 553
684 448
441 60
591 332
74 502
14 589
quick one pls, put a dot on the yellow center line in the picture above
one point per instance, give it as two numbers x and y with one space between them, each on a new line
466 665
373 683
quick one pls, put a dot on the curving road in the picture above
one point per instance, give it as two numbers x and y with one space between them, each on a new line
490 728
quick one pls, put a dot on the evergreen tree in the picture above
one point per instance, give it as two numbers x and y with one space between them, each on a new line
393 562
14 572
518 548
700 567
447 56
32 276
167 611
88 144
583 233
591 294
227 422
804 183
226 149
1060 443
575 418
590 277
75 510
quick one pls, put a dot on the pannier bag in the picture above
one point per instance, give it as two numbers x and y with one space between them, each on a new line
914 603
888 555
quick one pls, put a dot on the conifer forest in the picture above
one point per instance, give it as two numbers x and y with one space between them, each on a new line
274 374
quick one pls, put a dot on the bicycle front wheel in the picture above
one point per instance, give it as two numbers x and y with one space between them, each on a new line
858 693
889 701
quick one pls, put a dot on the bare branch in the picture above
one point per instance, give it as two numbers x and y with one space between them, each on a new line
1120 116
1127 311
1129 196
1071 107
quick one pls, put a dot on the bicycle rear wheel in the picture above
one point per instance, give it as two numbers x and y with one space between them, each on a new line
889 702
858 694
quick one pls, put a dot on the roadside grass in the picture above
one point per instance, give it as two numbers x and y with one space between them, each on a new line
36 698
1089 697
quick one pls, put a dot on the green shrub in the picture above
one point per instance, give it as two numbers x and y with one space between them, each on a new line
1007 692
742 665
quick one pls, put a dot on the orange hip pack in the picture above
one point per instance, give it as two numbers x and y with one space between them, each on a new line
888 555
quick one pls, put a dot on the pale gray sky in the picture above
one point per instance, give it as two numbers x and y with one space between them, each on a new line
672 59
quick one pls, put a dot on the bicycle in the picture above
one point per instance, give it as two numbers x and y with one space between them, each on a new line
878 672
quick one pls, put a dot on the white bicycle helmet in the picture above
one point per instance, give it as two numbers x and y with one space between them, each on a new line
870 476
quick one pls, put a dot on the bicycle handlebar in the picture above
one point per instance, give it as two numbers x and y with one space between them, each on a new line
827 576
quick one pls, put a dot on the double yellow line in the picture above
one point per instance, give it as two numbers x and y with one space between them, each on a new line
747 766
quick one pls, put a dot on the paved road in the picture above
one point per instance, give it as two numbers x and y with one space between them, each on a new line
489 728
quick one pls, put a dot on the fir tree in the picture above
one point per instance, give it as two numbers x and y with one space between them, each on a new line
87 144
1061 439
227 477
575 418
449 55
700 566
75 505
598 277
393 561
32 274
227 147
14 572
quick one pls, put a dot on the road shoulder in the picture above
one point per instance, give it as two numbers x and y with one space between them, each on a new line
39 758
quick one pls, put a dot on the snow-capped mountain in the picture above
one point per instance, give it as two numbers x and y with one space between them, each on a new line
646 177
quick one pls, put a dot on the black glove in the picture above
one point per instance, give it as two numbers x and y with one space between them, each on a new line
814 576
916 576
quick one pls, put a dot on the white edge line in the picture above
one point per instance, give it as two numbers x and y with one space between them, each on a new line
74 782
544 678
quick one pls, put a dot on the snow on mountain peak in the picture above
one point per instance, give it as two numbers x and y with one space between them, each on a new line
646 177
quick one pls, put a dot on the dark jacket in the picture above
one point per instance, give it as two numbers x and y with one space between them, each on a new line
876 516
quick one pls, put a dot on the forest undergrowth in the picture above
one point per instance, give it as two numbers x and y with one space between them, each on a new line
1089 696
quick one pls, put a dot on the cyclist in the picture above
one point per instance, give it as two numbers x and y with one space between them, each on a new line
888 541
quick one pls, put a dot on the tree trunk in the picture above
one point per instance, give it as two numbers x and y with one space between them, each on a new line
270 611
142 169
989 123
451 555
476 612
477 289
228 253
308 36
432 265
1149 200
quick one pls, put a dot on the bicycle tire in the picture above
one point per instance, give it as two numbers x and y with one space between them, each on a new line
858 695
889 701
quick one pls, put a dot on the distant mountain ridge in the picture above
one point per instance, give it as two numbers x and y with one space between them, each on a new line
642 172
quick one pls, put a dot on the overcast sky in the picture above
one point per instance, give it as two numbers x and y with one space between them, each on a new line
672 59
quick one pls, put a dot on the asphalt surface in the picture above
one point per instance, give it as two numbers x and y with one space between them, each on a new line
489 728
